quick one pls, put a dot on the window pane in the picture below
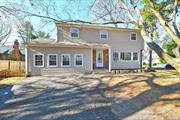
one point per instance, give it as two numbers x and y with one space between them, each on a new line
78 59
66 60
133 36
125 56
38 60
115 56
38 63
74 32
104 35
78 62
66 63
135 56
52 60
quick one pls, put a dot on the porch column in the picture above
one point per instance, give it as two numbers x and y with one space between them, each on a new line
26 62
109 54
91 59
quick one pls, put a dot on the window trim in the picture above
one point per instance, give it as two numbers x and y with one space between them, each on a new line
56 61
35 61
69 60
74 29
131 34
75 60
118 56
101 32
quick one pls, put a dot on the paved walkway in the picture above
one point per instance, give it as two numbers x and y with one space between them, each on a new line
75 97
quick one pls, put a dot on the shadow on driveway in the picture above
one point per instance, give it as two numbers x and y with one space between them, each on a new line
59 98
5 94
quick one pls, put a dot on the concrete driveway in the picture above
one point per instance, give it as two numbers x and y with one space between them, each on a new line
74 97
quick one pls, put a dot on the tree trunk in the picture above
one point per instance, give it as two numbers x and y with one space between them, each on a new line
173 61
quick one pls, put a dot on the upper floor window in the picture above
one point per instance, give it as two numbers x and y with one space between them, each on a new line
115 56
133 36
103 35
74 32
38 60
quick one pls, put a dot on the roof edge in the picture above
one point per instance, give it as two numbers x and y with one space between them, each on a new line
95 26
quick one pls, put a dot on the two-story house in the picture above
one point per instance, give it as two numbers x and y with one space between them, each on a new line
84 48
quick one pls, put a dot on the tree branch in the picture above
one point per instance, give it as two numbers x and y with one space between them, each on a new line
164 24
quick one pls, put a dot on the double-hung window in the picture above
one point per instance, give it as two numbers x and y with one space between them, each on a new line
52 60
135 56
133 36
125 56
103 35
115 56
74 32
38 60
78 60
65 60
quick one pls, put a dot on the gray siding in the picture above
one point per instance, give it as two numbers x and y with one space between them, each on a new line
86 59
118 39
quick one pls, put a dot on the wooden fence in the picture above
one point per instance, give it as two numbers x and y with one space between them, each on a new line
12 68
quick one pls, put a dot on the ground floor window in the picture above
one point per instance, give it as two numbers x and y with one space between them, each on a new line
52 60
65 59
115 56
78 60
135 56
38 60
125 56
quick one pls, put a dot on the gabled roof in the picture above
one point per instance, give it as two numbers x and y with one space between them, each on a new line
93 26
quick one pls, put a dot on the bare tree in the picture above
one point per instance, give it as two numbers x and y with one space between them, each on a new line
5 30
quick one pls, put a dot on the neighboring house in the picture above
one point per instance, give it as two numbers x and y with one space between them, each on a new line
84 48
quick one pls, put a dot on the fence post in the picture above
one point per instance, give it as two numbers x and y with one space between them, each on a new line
9 67
19 68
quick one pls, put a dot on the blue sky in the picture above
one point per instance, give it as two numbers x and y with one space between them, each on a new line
67 9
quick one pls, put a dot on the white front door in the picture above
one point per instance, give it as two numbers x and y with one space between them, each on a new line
99 58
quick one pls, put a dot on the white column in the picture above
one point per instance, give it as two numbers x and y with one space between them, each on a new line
109 54
26 61
91 59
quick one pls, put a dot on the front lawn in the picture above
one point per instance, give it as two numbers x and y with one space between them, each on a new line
155 94
10 81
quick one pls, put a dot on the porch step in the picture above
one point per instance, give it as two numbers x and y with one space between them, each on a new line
57 72
126 71
100 71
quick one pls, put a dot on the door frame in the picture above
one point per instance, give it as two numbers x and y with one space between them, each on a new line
102 52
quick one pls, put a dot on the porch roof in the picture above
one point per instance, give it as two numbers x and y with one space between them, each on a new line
55 43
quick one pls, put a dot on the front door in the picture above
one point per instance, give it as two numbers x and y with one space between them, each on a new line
99 58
